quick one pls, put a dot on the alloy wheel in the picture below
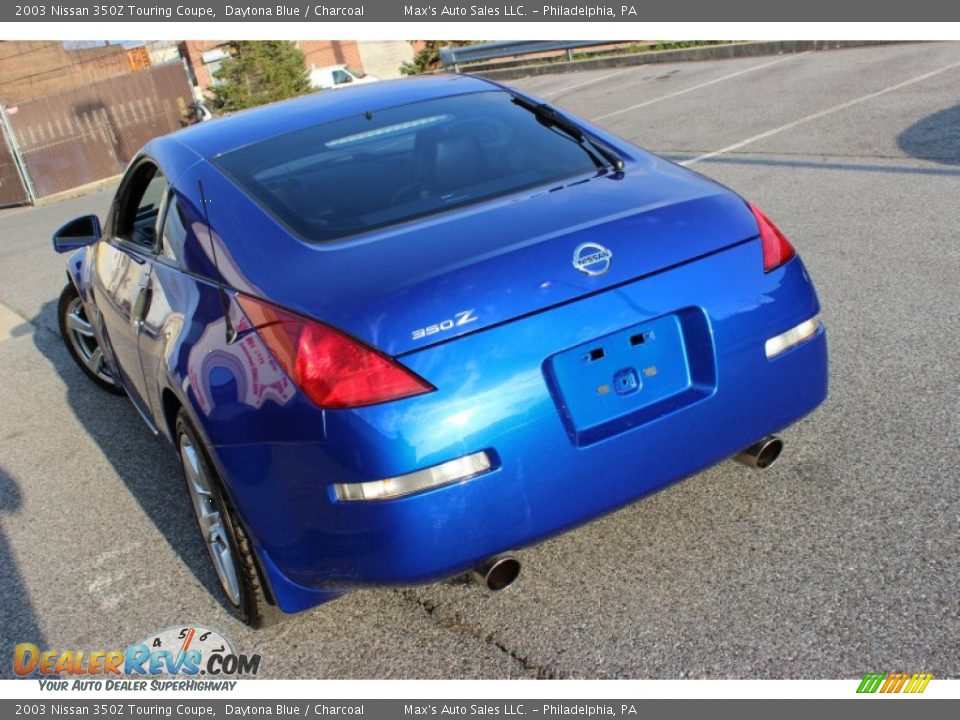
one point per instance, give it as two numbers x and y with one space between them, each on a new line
81 337
210 514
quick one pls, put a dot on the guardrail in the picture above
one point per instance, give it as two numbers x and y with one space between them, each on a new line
454 57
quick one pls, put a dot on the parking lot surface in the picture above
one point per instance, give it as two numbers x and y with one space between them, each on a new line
842 559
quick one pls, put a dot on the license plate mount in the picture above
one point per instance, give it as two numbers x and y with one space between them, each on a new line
632 376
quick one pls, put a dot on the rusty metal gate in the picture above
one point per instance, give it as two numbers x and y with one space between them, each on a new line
13 188
92 132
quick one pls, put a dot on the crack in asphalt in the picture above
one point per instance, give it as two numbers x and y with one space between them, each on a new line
540 672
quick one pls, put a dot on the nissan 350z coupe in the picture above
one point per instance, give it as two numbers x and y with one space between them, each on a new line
396 332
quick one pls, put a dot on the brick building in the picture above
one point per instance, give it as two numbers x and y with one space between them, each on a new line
34 68
204 56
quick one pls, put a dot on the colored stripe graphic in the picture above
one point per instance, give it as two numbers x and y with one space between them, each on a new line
918 683
894 682
871 682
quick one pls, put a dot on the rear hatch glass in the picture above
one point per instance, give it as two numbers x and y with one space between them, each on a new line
393 166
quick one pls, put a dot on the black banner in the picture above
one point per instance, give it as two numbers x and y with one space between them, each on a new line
880 709
563 11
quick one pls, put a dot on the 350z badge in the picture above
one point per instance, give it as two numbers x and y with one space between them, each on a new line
464 317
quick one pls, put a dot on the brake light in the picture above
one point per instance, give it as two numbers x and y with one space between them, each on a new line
331 368
776 248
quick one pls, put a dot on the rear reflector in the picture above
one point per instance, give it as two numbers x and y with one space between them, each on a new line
776 248
333 369
794 336
463 468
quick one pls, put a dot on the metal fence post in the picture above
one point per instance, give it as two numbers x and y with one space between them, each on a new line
11 141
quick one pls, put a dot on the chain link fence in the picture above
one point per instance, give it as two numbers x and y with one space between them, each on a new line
91 132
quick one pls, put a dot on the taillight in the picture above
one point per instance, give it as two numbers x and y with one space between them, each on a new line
776 248
331 368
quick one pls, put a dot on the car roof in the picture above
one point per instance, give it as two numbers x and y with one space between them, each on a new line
215 137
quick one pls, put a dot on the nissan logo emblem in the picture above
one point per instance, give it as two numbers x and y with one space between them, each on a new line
592 259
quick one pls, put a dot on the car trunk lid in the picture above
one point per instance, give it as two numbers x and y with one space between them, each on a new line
409 287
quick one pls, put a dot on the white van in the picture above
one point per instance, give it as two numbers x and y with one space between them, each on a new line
334 77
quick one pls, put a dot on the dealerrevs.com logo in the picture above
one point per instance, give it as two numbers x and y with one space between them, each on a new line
174 658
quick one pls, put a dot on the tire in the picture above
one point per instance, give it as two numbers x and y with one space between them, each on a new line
221 530
81 341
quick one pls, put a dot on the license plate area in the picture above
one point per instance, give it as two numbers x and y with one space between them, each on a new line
633 376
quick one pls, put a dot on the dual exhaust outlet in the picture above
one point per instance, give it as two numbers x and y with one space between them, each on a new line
499 572
762 454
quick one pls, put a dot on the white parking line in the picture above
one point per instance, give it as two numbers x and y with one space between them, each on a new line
822 113
9 322
698 87
594 81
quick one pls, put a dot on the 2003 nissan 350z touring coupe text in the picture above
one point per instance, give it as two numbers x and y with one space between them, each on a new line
396 332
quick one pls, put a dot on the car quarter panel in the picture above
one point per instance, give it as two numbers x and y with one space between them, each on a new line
235 391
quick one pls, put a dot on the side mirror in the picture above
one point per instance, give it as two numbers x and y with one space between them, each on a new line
77 233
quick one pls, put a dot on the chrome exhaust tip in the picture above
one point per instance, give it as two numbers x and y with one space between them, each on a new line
762 454
497 573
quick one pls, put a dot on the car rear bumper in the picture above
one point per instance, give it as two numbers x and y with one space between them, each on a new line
495 395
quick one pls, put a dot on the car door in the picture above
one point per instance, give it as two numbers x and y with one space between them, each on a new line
183 321
122 271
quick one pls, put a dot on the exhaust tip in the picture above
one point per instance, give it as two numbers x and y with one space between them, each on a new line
762 454
497 573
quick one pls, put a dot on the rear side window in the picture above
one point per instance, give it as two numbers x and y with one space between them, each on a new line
383 168
174 235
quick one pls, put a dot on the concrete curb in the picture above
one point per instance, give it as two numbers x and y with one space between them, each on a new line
707 52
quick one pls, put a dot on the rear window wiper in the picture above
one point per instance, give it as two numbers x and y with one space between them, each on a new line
551 118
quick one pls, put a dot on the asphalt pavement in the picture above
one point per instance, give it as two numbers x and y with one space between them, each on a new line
841 559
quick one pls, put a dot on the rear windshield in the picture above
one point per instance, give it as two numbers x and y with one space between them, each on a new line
392 166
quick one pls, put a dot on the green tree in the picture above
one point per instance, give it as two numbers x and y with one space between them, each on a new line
259 72
427 59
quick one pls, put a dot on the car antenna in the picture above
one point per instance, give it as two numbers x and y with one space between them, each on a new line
206 219
224 301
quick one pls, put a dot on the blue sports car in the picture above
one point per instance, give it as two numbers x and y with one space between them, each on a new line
396 332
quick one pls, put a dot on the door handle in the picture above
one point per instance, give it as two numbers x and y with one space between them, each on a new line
140 305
